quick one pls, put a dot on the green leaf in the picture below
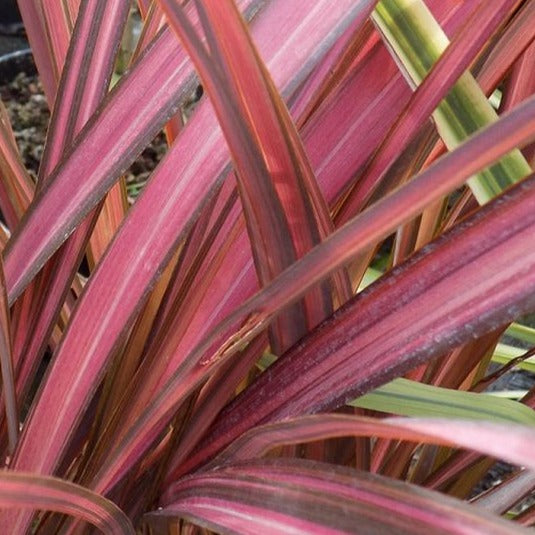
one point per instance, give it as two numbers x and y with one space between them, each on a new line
522 332
505 353
410 398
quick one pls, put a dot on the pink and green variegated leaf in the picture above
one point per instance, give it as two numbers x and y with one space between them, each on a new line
369 100
86 80
82 87
6 366
35 27
461 52
300 496
508 442
142 246
16 186
351 48
20 490
58 24
376 223
383 334
133 113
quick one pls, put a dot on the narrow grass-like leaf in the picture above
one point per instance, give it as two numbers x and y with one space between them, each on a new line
152 24
522 81
410 398
16 186
455 60
58 24
418 41
82 87
520 86
505 353
32 491
144 6
513 41
6 366
155 225
521 332
527 517
34 24
215 394
279 495
330 370
502 497
354 237
332 70
510 442
86 81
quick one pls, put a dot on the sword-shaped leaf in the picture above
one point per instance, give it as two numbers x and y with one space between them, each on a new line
376 222
299 496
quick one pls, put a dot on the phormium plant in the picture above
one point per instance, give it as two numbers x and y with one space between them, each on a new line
294 326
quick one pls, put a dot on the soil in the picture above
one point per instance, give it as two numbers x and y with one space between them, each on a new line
28 111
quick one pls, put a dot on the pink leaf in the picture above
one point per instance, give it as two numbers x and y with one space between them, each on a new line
300 496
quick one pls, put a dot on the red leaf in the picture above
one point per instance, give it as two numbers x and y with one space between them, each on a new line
141 248
299 496
378 221
512 443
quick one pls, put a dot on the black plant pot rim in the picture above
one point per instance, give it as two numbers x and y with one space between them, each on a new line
14 62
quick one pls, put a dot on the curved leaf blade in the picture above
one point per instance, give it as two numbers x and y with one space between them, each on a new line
382 333
434 87
410 398
159 219
418 41
133 112
33 491
298 496
378 221
508 442
6 366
